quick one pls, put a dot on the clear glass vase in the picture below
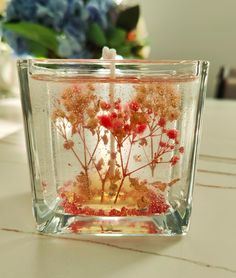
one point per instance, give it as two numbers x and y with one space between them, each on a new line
112 145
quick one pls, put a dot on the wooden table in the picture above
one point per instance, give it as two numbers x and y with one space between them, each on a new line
209 250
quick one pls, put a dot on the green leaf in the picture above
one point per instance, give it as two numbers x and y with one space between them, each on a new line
116 37
96 35
37 50
44 36
128 18
124 50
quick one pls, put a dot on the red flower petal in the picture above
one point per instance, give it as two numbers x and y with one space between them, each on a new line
140 128
104 105
172 133
105 121
134 106
117 124
174 160
127 128
68 144
162 144
162 122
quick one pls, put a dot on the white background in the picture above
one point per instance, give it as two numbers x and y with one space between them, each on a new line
193 29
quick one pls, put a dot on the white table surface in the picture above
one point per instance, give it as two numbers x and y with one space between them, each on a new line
209 250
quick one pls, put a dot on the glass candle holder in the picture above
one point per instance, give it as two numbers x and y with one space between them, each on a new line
112 145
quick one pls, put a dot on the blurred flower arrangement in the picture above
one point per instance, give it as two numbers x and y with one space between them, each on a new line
73 28
2 6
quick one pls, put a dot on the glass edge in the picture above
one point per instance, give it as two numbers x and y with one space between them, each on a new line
203 73
22 63
205 64
108 61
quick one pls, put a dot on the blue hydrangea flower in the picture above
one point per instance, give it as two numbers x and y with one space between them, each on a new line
70 18
52 15
75 22
18 44
98 11
19 10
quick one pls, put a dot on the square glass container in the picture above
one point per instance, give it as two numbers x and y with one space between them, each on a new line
112 144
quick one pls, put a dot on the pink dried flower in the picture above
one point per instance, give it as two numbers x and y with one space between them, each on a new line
177 141
117 104
114 115
162 144
181 149
69 144
117 124
172 133
105 121
140 128
174 160
162 122
134 106
127 128
104 105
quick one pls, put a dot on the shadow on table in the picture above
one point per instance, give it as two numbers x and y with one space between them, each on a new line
152 244
16 213
103 257
92 256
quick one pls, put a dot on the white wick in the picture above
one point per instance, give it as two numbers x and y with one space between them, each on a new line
110 54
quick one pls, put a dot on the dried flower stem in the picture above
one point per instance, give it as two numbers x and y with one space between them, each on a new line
85 162
129 153
103 180
62 132
119 189
112 139
121 161
91 159
103 185
152 165
95 149
84 142
124 169
145 153
75 154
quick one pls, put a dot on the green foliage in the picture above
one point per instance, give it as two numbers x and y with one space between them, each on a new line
116 37
96 35
125 50
38 50
41 37
128 18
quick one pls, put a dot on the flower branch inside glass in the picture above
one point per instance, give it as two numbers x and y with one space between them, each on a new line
145 137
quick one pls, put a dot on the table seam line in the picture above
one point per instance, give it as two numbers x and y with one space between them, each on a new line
199 263
216 172
222 159
215 186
